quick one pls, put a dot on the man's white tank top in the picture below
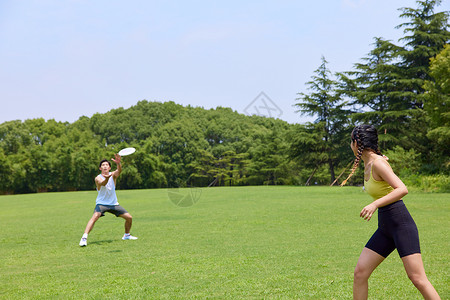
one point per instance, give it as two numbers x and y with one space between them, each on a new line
107 193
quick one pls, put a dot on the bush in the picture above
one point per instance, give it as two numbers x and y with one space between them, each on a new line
404 162
428 183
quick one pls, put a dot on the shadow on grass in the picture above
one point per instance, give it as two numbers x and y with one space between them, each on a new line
101 242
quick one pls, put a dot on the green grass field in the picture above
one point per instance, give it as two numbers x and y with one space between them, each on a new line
234 243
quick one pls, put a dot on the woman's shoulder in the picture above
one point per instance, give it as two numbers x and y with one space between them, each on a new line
381 160
380 166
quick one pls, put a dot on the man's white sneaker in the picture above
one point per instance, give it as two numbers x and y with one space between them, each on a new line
83 242
129 237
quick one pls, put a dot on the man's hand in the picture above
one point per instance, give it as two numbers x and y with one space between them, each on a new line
117 159
99 181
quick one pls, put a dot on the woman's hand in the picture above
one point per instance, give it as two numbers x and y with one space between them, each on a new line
368 211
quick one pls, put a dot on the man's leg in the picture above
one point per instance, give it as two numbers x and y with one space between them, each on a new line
89 226
91 222
128 222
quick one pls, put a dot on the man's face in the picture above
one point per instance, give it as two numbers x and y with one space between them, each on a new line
105 167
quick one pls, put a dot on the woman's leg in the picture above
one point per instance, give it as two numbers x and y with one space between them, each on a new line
367 262
416 272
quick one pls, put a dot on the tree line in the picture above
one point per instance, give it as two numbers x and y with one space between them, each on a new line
176 146
403 90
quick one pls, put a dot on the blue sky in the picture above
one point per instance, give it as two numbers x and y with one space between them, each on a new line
65 59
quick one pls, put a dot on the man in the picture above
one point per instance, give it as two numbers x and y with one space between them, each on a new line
107 199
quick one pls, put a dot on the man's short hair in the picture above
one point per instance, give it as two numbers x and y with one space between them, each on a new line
104 160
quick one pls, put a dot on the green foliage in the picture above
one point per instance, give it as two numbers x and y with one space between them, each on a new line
401 93
376 89
437 105
438 89
404 162
426 33
6 173
428 183
321 141
177 146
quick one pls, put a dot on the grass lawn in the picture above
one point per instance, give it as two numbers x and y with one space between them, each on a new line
234 243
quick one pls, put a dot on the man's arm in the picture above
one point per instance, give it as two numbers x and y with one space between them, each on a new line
99 181
117 160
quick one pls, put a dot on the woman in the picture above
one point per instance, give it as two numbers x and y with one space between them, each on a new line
396 228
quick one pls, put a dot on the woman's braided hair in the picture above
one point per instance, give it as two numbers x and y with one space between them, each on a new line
366 137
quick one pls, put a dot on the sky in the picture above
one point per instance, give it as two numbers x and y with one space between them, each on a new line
66 59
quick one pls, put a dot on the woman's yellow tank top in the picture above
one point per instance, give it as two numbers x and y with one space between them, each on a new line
375 188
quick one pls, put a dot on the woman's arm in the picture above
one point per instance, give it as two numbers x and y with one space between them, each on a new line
382 171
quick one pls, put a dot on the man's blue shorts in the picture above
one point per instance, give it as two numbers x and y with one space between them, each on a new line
113 209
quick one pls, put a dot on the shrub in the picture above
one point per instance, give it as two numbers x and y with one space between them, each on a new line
428 183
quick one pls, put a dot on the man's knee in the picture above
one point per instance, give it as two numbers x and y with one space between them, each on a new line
96 216
127 216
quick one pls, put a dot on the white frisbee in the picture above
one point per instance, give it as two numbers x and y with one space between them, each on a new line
127 151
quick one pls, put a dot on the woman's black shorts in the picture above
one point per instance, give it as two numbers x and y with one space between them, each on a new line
396 229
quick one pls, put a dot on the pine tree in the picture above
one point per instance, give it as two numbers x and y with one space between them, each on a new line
377 95
327 132
387 87
426 33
